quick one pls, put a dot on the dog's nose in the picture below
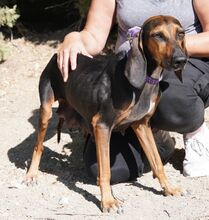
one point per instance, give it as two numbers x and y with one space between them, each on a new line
179 62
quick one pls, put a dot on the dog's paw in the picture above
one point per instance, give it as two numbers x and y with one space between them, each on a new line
173 191
30 180
114 205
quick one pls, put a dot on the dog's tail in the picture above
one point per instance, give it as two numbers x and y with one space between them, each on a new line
59 128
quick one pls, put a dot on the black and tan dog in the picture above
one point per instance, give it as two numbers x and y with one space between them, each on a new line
114 92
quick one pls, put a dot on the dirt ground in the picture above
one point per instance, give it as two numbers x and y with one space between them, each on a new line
64 191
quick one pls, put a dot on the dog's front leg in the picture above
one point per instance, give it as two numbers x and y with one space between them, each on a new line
102 138
145 137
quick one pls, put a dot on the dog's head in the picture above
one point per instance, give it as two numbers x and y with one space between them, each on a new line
160 43
162 39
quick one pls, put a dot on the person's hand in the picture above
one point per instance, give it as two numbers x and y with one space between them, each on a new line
67 53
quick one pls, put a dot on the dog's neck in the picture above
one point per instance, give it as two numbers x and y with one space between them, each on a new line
154 70
156 74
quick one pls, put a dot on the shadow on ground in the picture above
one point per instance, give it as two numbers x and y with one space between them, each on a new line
68 169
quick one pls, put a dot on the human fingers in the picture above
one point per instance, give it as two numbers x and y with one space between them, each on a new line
65 64
84 52
59 59
73 58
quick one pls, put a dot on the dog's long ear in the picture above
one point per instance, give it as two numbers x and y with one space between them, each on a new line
136 66
140 42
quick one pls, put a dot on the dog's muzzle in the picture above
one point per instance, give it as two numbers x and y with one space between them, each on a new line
179 62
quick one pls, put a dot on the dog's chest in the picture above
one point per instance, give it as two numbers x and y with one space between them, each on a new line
151 106
144 106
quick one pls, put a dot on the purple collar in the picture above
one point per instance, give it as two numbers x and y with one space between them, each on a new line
152 81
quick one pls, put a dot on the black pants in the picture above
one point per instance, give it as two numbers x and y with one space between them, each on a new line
182 105
181 109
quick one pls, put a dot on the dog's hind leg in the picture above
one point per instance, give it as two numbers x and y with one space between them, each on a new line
47 99
145 137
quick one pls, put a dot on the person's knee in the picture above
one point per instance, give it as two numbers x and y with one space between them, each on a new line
182 116
182 104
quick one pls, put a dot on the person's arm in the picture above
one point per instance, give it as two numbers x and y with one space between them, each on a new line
198 45
91 40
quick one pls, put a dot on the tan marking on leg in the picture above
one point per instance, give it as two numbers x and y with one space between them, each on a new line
45 115
145 137
102 138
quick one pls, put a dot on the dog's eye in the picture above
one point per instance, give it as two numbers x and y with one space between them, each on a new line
158 36
180 35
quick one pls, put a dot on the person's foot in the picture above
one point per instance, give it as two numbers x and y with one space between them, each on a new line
196 161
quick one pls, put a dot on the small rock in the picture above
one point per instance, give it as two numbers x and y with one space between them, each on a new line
168 214
64 201
120 211
186 192
2 93
16 185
